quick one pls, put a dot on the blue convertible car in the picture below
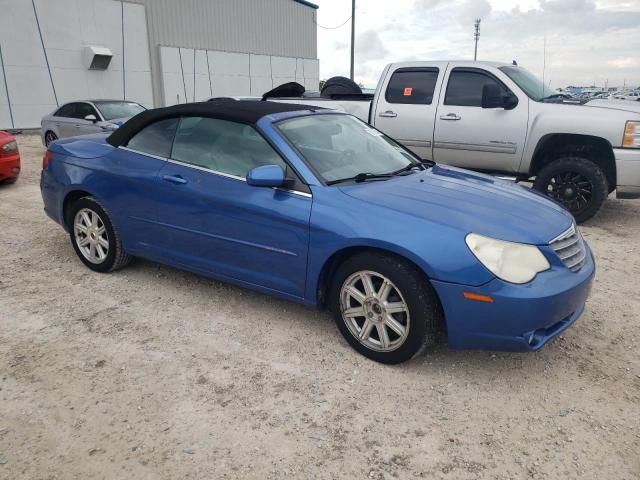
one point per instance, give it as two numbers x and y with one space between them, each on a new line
317 207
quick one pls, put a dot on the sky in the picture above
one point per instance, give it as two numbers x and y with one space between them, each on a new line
588 42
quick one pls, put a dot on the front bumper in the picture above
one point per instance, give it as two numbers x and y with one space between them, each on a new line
522 317
628 172
9 166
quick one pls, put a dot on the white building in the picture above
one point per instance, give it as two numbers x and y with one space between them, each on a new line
155 52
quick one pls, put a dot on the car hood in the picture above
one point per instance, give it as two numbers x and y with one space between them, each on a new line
470 202
117 121
624 105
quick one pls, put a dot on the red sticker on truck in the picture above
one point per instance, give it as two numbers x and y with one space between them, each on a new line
408 91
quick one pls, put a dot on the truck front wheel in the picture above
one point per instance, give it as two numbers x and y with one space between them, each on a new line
577 183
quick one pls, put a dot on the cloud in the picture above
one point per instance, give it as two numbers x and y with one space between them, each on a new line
587 41
370 47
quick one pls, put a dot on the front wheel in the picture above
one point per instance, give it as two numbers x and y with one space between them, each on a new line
577 183
94 237
384 307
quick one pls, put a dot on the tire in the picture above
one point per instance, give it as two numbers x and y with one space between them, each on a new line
49 137
577 183
102 251
409 287
9 181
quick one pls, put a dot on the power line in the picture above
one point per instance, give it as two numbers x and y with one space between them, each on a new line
334 28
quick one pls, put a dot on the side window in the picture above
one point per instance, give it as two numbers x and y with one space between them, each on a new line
155 139
83 109
222 146
412 86
66 110
465 88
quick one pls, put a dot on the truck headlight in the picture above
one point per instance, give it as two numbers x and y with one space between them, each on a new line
509 261
631 138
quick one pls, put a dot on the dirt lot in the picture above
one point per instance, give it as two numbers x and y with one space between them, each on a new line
152 373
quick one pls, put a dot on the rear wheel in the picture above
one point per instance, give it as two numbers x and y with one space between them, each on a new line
577 183
384 307
94 237
49 137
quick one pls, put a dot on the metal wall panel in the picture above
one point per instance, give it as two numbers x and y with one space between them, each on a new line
281 28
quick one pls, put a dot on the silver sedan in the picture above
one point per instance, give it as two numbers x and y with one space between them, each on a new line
87 116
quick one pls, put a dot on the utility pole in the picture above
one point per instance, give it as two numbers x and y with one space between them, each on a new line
544 61
476 35
353 32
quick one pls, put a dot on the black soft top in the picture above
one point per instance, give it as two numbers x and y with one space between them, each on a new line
240 111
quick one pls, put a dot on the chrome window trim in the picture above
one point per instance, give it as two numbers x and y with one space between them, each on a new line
213 172
157 157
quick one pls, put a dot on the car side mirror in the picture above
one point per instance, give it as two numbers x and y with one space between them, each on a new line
266 176
91 117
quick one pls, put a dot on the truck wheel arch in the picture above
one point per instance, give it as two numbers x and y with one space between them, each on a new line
596 149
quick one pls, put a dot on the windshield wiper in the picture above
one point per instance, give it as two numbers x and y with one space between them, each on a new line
423 164
361 177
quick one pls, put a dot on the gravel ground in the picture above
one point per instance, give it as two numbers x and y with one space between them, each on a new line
153 372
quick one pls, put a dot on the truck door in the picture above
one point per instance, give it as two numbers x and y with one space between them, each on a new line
467 135
405 108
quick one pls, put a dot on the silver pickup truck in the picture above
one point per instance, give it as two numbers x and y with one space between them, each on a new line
499 118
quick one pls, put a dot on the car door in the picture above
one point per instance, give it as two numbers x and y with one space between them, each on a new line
64 119
467 135
131 191
405 108
82 126
213 221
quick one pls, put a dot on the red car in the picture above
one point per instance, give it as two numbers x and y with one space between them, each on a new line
9 158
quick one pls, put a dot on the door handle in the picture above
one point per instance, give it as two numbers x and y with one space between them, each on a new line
450 116
175 179
388 114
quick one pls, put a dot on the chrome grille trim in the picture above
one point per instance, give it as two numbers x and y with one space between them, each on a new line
570 248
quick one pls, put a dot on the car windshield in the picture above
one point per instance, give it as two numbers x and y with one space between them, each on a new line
529 83
339 147
113 110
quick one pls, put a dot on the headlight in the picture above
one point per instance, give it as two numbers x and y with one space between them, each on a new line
511 262
631 137
9 147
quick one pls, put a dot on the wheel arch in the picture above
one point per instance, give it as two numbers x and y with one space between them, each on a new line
594 148
331 264
72 196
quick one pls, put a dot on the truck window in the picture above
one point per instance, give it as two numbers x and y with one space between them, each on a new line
412 86
465 88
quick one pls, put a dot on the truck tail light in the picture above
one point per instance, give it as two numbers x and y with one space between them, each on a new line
46 159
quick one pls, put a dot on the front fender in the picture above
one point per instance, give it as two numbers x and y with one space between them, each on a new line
338 223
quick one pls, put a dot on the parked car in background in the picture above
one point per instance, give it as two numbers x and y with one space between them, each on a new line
88 116
500 118
634 96
9 158
317 207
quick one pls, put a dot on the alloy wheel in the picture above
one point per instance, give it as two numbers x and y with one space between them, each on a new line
49 137
91 235
572 189
374 311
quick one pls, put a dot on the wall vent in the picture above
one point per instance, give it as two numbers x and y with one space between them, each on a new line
97 58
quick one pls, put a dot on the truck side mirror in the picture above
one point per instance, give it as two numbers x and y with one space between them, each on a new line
492 96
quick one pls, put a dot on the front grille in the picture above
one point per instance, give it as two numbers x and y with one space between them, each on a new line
570 248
